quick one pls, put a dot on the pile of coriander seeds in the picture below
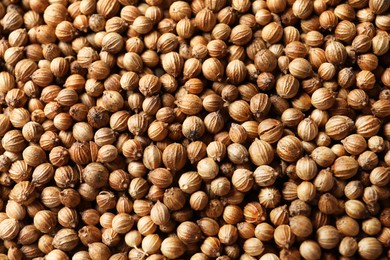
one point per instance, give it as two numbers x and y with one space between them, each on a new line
204 129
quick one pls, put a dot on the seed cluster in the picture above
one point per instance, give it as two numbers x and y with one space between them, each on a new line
204 129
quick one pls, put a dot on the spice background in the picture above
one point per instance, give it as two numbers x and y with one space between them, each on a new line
204 129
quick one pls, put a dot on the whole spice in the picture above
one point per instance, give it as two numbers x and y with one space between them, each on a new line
369 247
260 152
310 249
145 130
289 148
172 247
327 237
